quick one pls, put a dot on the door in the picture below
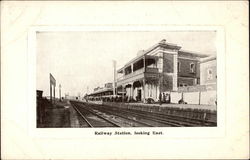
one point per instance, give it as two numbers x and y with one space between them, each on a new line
139 94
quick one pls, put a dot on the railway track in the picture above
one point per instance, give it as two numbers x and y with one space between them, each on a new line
137 118
127 117
91 118
175 121
151 120
148 122
130 120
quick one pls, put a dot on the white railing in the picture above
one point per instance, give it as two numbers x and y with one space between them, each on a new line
148 69
152 70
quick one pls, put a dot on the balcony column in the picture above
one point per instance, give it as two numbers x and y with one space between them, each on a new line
175 70
132 68
132 90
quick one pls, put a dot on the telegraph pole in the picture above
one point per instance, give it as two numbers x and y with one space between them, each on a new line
60 92
114 66
52 83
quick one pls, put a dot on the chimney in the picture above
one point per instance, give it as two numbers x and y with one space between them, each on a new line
114 65
163 41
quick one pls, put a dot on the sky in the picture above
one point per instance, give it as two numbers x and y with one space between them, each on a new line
81 60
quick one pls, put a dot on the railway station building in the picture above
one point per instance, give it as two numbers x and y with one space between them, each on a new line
160 69
163 69
103 92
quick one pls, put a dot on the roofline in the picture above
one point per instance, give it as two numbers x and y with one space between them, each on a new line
104 90
198 54
206 59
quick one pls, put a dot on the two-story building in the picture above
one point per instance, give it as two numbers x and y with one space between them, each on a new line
188 68
208 71
161 68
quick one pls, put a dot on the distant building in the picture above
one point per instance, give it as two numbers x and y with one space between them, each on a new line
102 91
96 89
108 85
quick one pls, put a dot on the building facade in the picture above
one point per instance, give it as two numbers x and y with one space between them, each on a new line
208 70
161 68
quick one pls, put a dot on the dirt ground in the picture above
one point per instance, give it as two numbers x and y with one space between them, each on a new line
61 115
57 117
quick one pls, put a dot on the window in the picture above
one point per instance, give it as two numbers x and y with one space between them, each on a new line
209 74
128 70
192 67
179 66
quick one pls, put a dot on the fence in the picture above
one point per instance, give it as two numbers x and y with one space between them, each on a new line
194 113
205 94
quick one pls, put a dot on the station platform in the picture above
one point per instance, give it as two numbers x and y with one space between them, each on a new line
192 106
201 112
163 105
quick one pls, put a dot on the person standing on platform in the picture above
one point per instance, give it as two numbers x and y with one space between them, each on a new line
164 98
160 98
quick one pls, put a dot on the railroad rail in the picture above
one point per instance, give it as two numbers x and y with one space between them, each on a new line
125 116
145 117
132 121
91 118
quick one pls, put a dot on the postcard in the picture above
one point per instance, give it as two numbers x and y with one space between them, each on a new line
124 80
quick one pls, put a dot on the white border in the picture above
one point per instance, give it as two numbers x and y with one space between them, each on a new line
169 132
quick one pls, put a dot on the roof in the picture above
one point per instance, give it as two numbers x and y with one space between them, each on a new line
102 90
191 54
210 58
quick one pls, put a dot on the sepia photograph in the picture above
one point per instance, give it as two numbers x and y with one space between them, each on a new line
126 79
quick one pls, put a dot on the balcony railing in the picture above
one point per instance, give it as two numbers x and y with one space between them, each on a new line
152 70
148 70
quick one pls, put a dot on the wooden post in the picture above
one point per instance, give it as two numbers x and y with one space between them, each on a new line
60 92
114 82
